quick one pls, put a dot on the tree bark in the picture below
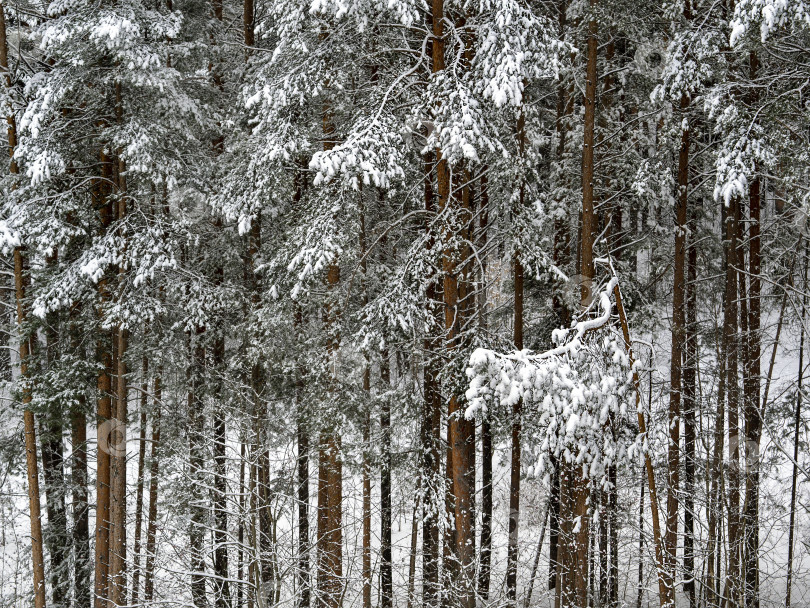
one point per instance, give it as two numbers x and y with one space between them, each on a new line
386 570
753 424
730 336
80 505
151 518
431 428
222 596
32 467
106 425
196 439
574 489
797 424
677 353
689 417
485 559
53 473
330 469
136 566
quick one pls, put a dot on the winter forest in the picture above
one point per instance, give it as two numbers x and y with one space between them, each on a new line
405 303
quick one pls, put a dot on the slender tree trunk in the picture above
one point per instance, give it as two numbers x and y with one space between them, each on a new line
450 563
677 354
118 458
514 477
665 592
730 336
81 518
366 495
431 430
613 522
797 423
484 572
53 473
136 567
303 508
753 424
537 553
386 571
151 518
640 596
240 534
689 418
554 527
196 437
366 549
222 597
412 554
32 467
106 426
562 258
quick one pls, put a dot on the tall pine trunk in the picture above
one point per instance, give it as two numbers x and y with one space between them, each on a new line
732 342
330 468
431 427
677 353
222 597
797 425
151 517
386 566
104 412
574 485
139 491
753 424
196 446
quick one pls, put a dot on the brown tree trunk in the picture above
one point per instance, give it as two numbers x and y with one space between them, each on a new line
462 449
20 286
730 336
677 354
136 566
330 469
104 413
32 467
151 517
574 489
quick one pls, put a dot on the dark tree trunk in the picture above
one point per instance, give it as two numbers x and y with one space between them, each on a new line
196 436
136 567
753 424
386 571
151 518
